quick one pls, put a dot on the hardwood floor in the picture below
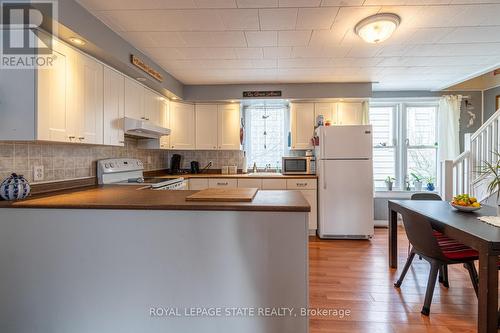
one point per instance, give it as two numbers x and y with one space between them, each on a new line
354 275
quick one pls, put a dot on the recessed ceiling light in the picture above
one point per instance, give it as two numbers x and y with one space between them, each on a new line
77 41
377 28
141 79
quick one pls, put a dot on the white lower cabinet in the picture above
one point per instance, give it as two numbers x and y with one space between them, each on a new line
274 184
250 183
198 184
308 188
222 183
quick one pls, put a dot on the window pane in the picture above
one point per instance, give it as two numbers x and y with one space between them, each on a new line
422 162
381 118
265 134
384 165
421 125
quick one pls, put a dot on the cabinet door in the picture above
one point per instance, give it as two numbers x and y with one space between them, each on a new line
152 107
198 184
134 99
274 184
91 100
350 113
53 120
250 183
114 110
206 126
229 127
182 126
302 125
311 197
223 183
165 122
328 110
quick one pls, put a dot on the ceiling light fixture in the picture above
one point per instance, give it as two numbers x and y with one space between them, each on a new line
377 28
77 41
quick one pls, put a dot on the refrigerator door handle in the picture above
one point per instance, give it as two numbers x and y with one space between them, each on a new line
322 143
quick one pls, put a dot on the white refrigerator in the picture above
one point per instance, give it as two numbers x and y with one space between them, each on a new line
345 185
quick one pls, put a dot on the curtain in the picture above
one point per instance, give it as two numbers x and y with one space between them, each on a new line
448 132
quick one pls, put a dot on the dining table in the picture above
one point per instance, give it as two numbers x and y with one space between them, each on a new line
466 228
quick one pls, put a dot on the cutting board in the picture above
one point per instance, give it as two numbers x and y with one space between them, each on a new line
224 195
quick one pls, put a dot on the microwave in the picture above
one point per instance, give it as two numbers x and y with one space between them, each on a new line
298 166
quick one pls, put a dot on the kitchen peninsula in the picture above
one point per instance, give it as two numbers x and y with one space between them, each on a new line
102 258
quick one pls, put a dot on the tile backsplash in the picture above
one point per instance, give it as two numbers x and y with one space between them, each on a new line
70 161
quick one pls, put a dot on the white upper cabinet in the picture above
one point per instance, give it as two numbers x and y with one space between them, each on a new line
327 110
302 125
134 99
114 107
229 126
350 113
90 101
165 122
152 107
182 123
206 124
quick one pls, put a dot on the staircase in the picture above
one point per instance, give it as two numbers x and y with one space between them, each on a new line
461 175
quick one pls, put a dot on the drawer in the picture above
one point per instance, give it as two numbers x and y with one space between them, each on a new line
250 183
301 184
274 184
223 182
198 183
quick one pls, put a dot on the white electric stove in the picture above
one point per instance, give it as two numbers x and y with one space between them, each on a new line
130 171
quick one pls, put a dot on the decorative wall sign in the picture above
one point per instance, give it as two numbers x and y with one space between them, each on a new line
273 93
146 68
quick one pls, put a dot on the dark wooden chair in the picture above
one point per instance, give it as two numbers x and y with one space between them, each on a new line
437 251
443 271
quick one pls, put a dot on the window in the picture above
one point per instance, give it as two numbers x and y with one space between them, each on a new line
404 138
265 133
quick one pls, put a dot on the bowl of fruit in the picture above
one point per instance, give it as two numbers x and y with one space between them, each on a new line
465 203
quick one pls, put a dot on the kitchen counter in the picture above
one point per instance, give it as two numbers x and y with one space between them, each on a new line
267 175
130 197
129 251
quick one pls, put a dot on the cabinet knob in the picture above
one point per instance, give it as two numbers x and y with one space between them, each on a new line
81 138
147 118
143 118
71 137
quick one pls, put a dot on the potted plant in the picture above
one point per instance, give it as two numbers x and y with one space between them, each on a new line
389 181
430 184
417 181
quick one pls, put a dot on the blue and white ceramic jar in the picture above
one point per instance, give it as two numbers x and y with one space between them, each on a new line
14 187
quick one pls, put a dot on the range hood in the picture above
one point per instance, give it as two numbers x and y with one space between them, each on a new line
143 129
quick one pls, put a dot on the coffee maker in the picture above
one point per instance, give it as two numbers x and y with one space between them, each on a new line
175 164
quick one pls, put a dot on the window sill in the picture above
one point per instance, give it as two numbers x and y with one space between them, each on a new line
399 194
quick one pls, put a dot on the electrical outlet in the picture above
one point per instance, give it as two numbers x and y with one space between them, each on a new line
149 159
38 173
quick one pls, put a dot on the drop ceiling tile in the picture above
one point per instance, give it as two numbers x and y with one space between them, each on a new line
249 53
257 3
326 37
394 50
278 19
215 3
342 2
277 52
134 4
154 39
265 63
166 20
439 16
208 53
316 18
355 62
299 3
305 63
240 19
319 52
368 50
213 39
474 35
165 53
261 38
294 38
427 35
